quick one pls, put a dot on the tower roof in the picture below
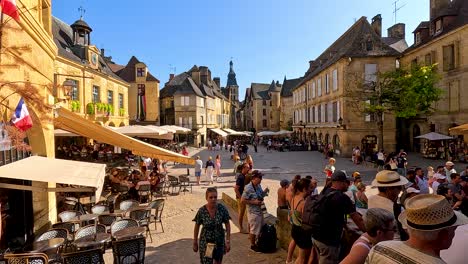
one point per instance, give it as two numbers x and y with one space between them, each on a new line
80 23
231 75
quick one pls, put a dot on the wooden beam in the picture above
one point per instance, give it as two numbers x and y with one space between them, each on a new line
40 189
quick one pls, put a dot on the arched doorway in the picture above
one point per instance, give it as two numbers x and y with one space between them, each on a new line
112 124
314 137
327 139
122 124
416 141
336 142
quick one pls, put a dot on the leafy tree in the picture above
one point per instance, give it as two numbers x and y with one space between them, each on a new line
404 92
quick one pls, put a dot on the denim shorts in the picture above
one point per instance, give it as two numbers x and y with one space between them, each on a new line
198 173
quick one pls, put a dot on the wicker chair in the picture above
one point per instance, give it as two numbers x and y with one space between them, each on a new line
121 224
66 216
89 230
142 216
144 191
99 209
129 250
71 227
128 204
158 207
93 256
54 233
27 258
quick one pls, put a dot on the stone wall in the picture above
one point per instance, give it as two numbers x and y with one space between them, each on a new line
283 227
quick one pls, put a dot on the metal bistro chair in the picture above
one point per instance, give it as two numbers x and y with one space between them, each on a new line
93 256
174 184
159 190
129 250
185 183
142 216
71 227
99 209
26 258
54 233
158 206
122 224
107 220
66 216
144 191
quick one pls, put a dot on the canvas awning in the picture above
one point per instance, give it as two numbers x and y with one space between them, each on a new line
434 136
219 132
266 133
459 130
63 133
69 121
42 169
177 129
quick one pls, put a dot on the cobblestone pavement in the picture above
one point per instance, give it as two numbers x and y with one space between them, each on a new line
174 245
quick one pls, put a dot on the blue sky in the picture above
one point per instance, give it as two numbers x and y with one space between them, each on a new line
267 39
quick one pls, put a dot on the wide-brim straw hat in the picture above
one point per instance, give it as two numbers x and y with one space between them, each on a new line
388 178
430 212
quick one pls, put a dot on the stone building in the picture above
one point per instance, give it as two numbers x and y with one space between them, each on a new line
231 91
442 40
143 94
27 58
321 112
194 100
286 113
262 106
96 93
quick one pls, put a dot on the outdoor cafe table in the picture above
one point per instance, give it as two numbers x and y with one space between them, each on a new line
85 218
129 232
46 245
92 241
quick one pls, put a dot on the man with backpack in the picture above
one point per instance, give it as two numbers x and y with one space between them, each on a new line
325 216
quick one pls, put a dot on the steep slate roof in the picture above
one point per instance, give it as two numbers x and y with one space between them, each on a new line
128 73
63 34
259 91
352 44
180 84
274 87
288 86
457 8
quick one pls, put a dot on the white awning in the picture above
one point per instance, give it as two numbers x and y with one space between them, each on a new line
177 129
233 132
64 133
219 132
42 169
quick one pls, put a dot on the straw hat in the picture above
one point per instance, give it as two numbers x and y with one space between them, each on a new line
388 178
429 212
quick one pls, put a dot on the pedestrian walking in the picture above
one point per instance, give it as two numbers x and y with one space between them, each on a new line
198 169
218 167
214 241
209 169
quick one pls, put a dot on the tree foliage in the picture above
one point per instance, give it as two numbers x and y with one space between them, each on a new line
405 92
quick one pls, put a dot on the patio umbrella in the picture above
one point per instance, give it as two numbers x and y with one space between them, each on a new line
434 136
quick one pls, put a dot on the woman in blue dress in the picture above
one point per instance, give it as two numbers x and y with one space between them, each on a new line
214 241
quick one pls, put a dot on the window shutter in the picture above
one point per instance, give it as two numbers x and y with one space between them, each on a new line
313 89
335 79
367 118
190 122
182 100
338 110
316 114
180 121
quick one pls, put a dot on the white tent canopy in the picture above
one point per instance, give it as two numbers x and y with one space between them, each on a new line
219 132
64 133
434 136
283 132
266 133
177 129
44 169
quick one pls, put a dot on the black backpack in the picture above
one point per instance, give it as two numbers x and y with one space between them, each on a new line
314 214
267 239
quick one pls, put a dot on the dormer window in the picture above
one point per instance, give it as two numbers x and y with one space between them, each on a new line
417 38
438 26
369 45
141 72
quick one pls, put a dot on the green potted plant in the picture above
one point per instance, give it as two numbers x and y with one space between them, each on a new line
75 105
90 109
110 109
122 111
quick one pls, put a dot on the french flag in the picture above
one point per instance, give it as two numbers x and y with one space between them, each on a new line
22 121
9 8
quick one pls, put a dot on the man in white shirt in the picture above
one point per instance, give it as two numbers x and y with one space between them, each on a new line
421 181
439 179
448 169
389 184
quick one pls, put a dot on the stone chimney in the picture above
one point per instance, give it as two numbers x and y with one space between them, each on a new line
217 80
171 76
436 6
396 31
196 75
205 75
377 24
